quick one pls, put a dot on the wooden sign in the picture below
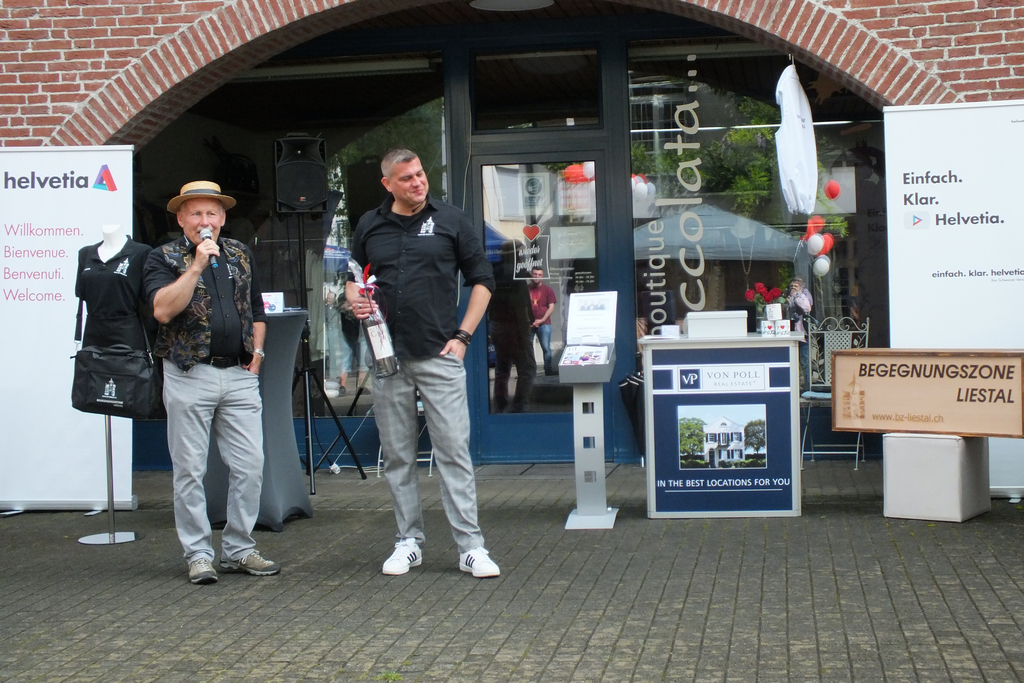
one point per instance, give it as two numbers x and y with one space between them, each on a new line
967 393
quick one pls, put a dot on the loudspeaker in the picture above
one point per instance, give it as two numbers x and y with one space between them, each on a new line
300 170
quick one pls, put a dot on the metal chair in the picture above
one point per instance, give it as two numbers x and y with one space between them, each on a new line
831 334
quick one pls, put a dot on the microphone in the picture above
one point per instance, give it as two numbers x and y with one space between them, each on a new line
207 234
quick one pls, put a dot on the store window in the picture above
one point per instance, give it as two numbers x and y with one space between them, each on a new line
710 220
231 137
416 122
554 89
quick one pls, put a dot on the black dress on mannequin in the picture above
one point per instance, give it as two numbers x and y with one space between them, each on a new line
112 291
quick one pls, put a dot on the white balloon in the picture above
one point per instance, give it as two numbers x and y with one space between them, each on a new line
634 180
588 169
821 266
640 190
651 191
815 243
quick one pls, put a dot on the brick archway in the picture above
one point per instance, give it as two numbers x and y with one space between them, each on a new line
206 50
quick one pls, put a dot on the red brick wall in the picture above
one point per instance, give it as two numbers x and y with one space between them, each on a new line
118 71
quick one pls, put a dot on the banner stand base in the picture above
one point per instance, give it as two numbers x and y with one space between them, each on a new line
108 539
605 521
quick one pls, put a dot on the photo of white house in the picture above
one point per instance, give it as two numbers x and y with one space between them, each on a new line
723 442
722 436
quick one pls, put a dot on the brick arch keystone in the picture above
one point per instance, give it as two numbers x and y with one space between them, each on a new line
172 75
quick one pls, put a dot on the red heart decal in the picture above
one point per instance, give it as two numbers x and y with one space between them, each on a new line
531 231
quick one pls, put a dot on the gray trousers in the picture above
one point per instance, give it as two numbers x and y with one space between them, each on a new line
224 403
442 388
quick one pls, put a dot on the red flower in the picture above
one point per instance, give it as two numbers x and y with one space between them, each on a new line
761 289
749 295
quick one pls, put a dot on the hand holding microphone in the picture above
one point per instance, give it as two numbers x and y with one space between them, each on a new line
207 234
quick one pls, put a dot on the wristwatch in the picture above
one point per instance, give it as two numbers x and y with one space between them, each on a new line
259 352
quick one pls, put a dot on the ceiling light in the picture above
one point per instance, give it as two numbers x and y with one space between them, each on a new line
510 5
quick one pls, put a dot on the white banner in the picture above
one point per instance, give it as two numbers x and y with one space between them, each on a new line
956 239
955 225
53 202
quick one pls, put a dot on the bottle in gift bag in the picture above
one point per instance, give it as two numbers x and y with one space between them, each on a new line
378 338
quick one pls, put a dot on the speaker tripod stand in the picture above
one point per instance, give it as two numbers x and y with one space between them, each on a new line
309 378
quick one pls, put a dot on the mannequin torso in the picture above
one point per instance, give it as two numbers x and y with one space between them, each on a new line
113 242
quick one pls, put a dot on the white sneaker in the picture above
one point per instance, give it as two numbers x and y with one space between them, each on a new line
407 554
478 562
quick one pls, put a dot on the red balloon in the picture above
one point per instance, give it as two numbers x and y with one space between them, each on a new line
832 189
574 174
829 241
814 225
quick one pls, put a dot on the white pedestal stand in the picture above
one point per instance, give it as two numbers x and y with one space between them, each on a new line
592 511
112 537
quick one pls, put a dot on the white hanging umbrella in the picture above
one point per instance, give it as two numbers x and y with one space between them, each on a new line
798 156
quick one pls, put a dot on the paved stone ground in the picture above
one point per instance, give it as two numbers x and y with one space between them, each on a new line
838 594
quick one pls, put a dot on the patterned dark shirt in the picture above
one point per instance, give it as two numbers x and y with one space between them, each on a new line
186 339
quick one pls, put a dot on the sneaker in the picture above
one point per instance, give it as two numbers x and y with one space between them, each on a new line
478 562
407 554
253 564
201 572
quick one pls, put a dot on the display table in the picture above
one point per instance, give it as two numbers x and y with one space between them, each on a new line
284 489
722 426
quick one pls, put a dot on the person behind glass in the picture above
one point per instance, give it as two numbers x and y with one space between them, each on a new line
543 299
110 283
800 302
509 318
207 299
416 246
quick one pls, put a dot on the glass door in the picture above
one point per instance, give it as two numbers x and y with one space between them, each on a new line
540 223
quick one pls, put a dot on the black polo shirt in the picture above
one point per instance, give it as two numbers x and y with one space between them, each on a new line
417 262
225 323
112 291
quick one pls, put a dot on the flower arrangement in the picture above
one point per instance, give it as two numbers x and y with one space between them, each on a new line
762 296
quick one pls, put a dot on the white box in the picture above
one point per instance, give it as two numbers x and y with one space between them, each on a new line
705 324
935 476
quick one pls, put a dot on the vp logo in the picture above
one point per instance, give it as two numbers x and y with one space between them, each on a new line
689 378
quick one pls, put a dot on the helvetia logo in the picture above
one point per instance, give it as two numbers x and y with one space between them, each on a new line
104 180
63 181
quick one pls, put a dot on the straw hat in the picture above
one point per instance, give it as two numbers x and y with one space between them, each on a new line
199 189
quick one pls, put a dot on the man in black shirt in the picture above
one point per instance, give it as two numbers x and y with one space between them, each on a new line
416 247
212 324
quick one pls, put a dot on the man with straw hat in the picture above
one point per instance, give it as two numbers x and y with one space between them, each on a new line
207 299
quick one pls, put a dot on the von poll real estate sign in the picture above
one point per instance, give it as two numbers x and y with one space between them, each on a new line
722 433
53 202
966 393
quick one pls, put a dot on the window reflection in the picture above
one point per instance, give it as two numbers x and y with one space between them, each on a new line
540 225
710 222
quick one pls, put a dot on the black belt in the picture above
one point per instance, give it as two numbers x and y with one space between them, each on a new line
220 361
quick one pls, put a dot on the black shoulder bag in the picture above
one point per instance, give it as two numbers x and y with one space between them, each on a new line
116 380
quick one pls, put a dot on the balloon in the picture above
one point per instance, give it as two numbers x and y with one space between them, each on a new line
832 189
640 190
574 174
827 242
651 190
814 244
814 225
588 169
821 266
